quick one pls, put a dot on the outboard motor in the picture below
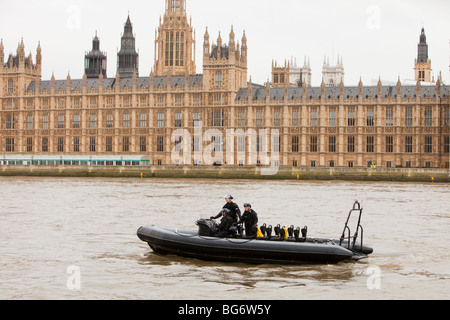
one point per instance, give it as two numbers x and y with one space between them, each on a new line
291 231
269 231
297 233
277 230
304 232
206 228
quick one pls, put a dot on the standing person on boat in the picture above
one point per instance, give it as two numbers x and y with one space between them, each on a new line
233 207
250 220
223 229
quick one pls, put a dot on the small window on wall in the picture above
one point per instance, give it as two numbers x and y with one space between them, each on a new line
126 120
351 117
241 118
93 121
295 143
10 86
10 121
92 144
109 120
428 117
295 117
447 144
44 144
409 144
370 117
428 144
9 144
313 117
60 144
29 144
143 120
126 144
109 144
332 144
389 144
389 117
277 118
143 144
76 121
160 144
178 119
409 117
76 144
370 144
447 117
313 144
332 117
351 144
160 123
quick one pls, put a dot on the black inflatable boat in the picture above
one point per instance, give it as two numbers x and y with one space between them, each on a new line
280 248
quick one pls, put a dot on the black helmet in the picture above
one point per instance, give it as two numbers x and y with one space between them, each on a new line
247 205
226 211
229 197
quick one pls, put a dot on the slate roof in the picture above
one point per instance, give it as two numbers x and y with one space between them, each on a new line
259 92
141 82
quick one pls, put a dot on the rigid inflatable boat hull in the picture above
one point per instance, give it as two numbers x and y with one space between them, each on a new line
190 244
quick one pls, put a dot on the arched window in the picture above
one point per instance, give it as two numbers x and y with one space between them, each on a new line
175 5
10 86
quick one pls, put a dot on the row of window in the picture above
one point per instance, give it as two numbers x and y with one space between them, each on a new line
370 144
75 145
369 117
92 101
219 119
174 49
370 164
10 120
218 144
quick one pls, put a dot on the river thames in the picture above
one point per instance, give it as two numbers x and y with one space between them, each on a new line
75 238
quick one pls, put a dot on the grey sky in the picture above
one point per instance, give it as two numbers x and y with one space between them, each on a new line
375 38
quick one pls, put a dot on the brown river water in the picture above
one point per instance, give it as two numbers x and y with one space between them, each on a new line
76 238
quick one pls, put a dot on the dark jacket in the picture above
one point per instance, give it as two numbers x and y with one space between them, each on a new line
235 211
223 229
250 220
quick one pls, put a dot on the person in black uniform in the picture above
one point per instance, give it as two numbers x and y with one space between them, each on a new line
250 220
223 229
233 207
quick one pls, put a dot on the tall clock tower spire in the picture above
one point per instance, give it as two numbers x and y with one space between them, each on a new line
175 42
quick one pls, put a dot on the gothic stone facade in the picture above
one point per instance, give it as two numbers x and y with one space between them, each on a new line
134 117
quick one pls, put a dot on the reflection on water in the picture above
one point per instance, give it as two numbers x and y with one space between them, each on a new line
51 224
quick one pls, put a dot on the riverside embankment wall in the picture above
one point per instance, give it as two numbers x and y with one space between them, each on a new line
225 172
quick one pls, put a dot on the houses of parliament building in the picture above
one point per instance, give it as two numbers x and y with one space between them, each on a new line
130 119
